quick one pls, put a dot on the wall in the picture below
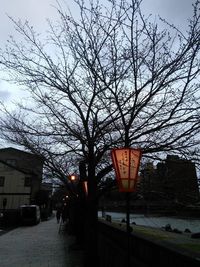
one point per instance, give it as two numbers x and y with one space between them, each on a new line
144 252
24 165
13 189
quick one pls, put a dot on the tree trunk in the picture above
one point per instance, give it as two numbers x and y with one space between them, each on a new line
91 219
91 250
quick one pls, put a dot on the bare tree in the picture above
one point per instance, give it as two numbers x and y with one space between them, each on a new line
109 78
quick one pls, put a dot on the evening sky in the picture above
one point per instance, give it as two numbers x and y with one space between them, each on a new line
37 12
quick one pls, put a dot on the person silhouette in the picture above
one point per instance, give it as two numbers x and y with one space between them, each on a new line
58 215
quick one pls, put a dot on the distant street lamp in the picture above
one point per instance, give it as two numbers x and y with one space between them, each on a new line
126 164
73 177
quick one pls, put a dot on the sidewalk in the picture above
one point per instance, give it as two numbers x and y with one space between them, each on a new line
38 246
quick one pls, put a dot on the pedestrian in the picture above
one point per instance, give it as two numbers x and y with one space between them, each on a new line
58 215
65 212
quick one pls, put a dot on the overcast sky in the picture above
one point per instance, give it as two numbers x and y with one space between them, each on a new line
37 11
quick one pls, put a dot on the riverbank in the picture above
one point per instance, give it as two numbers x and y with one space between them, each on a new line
180 223
182 214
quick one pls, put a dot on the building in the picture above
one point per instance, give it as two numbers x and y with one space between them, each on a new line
20 177
179 178
148 181
47 187
174 178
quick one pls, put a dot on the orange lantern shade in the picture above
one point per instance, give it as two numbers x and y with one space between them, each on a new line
126 164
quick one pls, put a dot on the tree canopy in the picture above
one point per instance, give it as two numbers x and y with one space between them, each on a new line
110 77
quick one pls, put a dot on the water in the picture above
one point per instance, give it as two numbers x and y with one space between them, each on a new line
157 222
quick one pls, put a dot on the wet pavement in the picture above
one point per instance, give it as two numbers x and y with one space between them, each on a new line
40 245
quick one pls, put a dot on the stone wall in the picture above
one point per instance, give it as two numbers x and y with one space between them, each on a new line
144 251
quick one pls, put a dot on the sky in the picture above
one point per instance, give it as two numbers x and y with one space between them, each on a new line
37 11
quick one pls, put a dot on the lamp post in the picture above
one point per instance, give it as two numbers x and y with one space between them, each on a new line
83 177
74 180
85 187
78 208
126 164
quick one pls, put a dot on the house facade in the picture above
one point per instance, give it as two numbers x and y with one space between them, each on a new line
20 177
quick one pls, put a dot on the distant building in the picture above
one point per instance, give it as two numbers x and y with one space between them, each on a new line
148 180
48 187
180 178
175 178
20 177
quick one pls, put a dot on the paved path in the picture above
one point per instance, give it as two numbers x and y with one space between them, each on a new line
38 246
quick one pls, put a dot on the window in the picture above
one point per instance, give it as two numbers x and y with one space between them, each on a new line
27 181
11 162
2 180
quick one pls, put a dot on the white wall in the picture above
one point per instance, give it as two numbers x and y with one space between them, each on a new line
13 188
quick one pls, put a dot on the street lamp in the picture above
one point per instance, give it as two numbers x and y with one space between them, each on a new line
126 164
73 177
